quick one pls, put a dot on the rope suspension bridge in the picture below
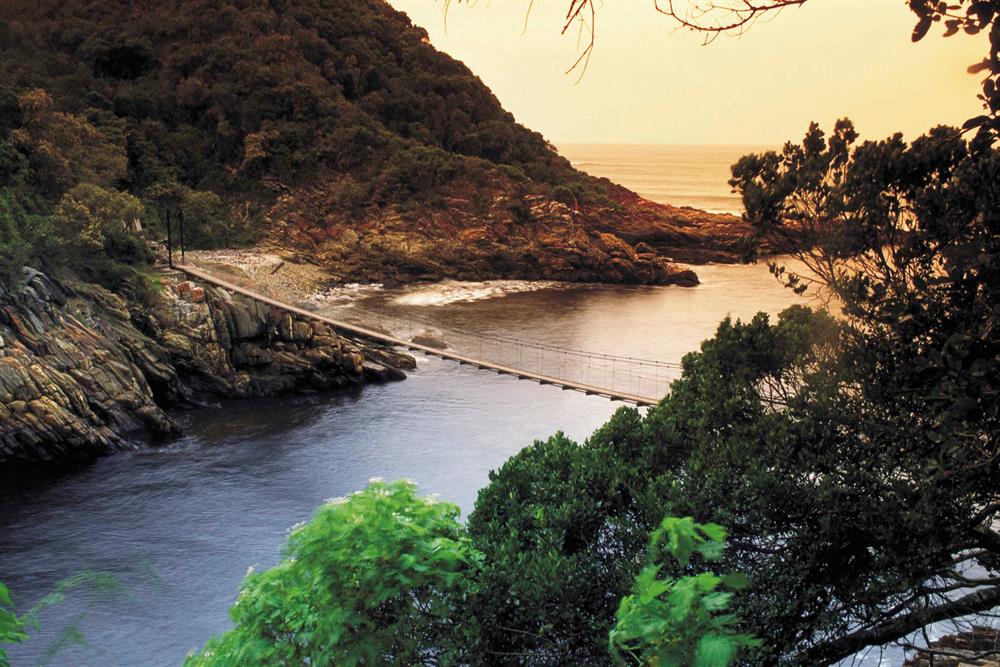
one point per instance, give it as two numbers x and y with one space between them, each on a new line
629 379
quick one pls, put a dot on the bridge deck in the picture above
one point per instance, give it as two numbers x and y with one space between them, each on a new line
426 349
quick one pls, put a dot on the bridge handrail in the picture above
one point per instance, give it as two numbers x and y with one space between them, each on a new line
433 351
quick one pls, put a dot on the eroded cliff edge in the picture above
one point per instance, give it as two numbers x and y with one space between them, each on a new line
85 373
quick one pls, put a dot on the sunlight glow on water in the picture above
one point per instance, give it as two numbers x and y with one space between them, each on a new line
695 176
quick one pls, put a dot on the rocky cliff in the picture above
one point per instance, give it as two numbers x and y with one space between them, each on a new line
83 372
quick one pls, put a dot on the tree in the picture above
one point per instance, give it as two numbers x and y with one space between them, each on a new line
906 237
380 577
845 539
63 149
562 540
88 214
21 235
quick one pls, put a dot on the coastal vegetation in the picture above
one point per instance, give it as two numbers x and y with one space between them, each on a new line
411 594
329 129
852 460
811 486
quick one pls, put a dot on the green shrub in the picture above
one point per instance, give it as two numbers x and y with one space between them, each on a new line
564 195
563 540
87 213
23 238
12 627
379 577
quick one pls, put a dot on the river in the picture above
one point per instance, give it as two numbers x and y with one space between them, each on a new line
179 525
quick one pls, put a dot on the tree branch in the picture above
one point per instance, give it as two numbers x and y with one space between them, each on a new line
848 645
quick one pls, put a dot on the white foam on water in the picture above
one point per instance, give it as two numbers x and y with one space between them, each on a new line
455 291
344 293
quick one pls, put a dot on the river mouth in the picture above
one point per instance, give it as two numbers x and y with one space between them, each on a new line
179 524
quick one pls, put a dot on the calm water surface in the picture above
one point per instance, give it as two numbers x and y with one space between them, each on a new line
680 175
179 525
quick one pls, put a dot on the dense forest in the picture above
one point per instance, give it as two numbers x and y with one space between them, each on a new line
221 95
217 104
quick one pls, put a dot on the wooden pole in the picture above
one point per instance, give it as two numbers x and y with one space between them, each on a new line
180 214
170 243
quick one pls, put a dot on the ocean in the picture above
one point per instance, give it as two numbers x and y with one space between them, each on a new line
693 176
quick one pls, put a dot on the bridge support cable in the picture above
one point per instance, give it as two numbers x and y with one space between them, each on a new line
636 380
629 375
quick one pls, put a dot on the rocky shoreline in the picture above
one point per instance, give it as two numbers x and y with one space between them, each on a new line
84 373
501 231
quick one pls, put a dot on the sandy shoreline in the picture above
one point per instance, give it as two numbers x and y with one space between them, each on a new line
266 272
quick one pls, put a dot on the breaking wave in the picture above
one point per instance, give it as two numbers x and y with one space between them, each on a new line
345 294
454 291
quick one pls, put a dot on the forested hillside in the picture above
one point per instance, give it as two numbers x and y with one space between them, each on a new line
331 126
221 95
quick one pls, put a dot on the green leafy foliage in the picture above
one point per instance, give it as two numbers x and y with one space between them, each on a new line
88 213
380 577
680 621
58 173
562 535
564 527
905 237
829 507
22 235
65 149
12 628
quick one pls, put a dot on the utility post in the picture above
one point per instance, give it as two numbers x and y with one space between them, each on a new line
170 243
180 214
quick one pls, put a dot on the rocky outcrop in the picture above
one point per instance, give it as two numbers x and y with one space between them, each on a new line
230 345
83 372
973 647
682 234
506 229
68 389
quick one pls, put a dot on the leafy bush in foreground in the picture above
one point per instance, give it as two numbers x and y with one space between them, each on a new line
15 628
380 577
12 630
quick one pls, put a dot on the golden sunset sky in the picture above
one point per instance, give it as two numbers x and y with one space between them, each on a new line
649 82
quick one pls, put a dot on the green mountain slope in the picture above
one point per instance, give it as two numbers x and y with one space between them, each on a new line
331 127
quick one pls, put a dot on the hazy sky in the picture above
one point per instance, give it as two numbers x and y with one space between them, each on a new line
650 83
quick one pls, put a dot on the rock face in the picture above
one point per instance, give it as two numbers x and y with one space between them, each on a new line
505 229
83 373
